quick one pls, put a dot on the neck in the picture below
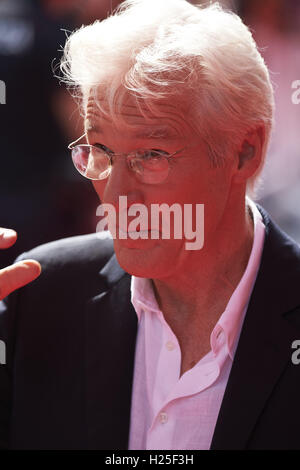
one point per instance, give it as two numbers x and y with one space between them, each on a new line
208 278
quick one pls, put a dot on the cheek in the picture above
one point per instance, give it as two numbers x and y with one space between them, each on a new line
99 187
208 186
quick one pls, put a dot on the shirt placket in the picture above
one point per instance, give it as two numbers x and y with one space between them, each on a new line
168 387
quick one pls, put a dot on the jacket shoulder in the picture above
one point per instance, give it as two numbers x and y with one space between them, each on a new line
84 250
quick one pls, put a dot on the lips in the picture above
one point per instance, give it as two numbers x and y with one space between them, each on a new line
124 228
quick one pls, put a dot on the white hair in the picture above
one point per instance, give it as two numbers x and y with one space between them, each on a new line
158 49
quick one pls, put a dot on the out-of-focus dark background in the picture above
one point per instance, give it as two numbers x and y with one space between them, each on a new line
41 195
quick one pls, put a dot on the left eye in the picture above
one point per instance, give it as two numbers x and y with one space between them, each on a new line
103 147
153 153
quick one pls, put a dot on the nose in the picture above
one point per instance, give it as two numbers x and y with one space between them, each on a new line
120 182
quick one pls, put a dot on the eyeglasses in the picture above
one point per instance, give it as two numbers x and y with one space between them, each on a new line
95 162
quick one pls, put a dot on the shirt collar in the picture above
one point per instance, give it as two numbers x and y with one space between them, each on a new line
232 318
142 296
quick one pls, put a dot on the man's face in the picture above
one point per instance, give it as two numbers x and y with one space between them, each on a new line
191 180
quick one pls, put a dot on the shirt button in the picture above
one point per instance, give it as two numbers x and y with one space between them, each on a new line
170 346
163 417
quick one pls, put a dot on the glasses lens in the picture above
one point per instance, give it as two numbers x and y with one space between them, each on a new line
150 167
91 162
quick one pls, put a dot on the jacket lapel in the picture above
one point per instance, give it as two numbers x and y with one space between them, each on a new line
111 326
264 348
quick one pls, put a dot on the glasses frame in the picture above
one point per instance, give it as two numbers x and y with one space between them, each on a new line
74 144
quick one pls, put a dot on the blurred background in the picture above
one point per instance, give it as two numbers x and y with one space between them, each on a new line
41 195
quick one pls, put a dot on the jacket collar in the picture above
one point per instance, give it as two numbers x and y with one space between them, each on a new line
264 348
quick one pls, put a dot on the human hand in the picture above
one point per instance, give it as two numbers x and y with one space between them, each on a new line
19 274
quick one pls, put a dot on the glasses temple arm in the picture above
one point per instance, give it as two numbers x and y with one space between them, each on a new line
72 144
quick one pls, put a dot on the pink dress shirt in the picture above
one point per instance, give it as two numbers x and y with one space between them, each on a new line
180 413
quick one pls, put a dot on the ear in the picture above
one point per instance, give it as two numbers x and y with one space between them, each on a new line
249 155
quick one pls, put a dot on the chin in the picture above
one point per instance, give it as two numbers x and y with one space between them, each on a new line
142 259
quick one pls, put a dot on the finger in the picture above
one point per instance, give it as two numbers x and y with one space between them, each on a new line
18 275
7 237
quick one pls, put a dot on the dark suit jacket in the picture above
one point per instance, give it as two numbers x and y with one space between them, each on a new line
70 338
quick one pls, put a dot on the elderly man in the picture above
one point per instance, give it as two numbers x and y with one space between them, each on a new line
139 342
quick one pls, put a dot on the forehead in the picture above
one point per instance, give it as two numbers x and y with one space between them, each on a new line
155 120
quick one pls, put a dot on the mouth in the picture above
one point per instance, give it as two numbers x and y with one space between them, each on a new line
142 233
